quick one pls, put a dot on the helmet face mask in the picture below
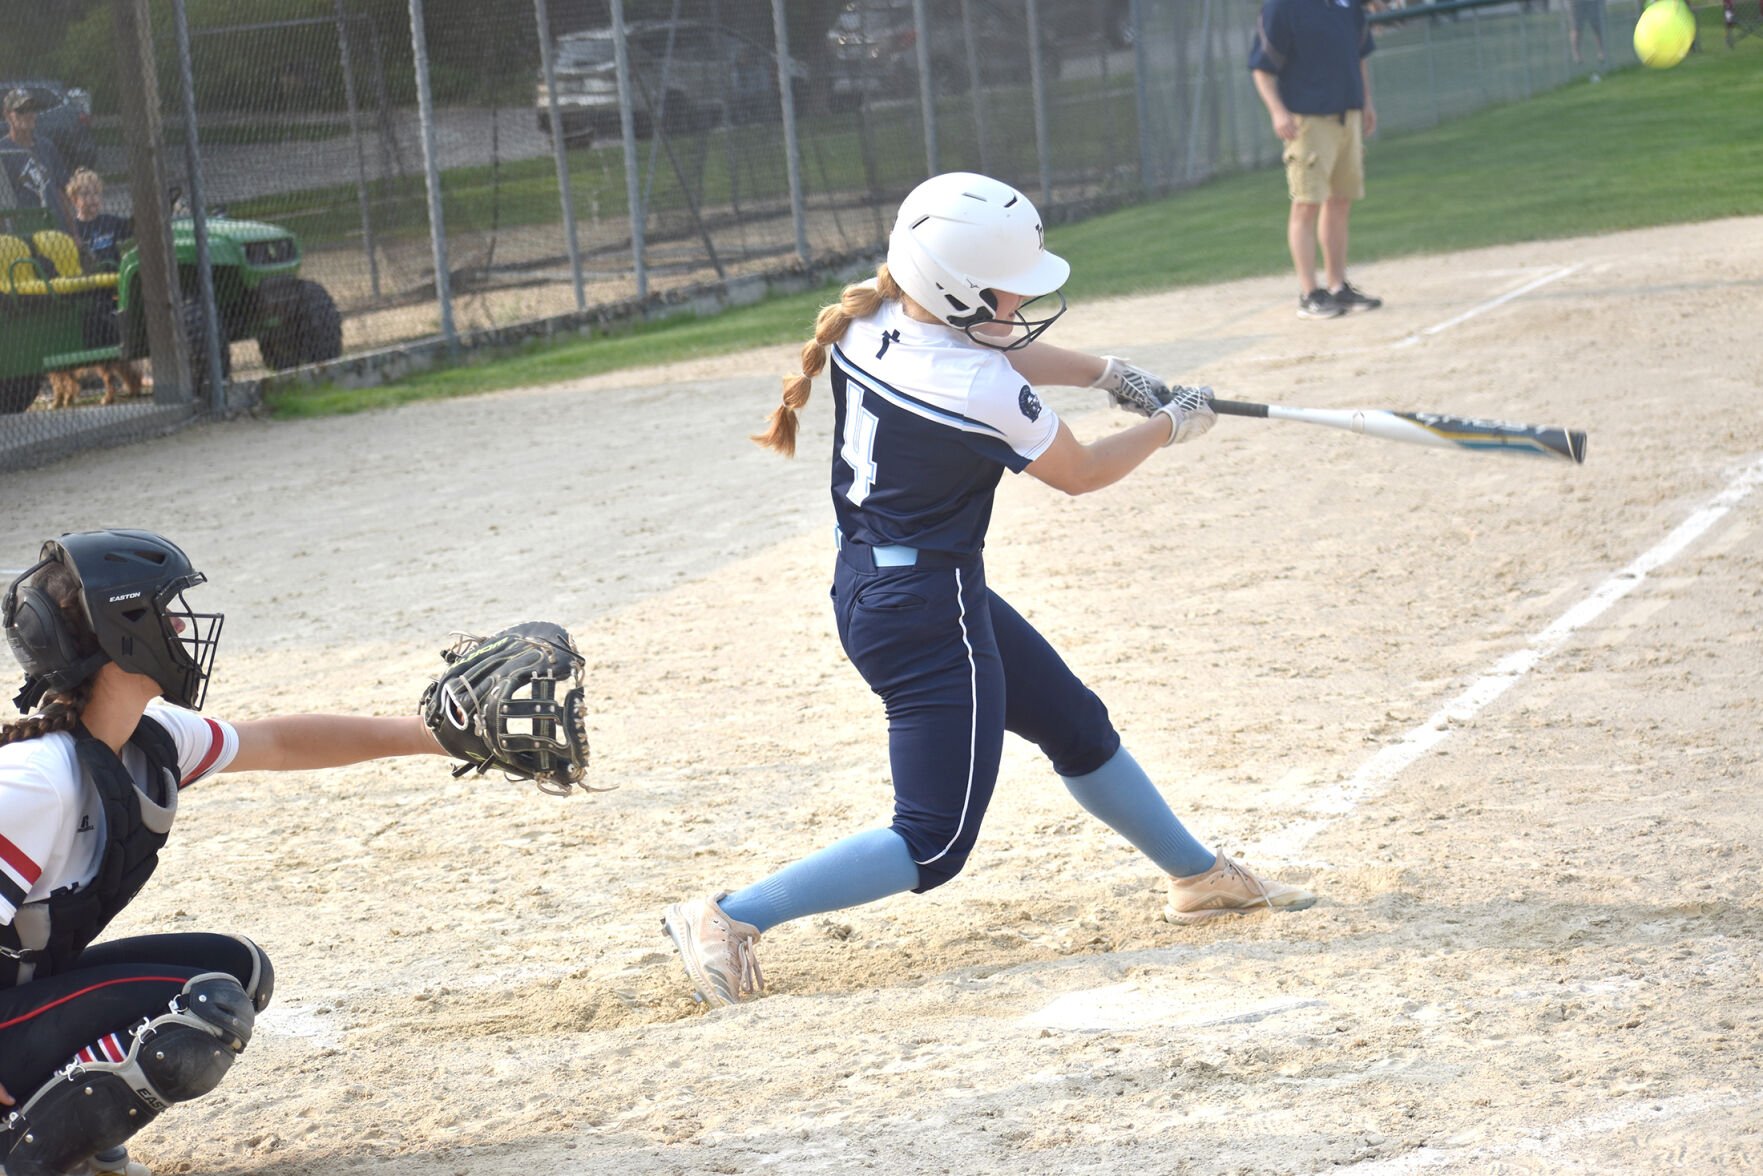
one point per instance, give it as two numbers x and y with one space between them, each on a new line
183 652
1018 329
132 590
961 239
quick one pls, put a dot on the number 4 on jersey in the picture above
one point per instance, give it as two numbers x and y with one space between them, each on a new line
858 450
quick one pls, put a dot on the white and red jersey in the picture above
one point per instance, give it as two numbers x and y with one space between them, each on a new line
52 824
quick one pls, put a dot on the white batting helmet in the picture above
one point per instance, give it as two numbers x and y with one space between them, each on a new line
961 236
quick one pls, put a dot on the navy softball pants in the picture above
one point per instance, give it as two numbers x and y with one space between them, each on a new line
956 667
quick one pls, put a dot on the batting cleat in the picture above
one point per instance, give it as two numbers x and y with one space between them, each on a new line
114 1162
1350 297
717 951
1229 889
1319 304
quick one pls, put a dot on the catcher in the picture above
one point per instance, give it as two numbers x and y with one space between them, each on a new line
97 1039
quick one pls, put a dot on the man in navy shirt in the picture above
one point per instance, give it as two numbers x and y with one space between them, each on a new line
1308 62
32 164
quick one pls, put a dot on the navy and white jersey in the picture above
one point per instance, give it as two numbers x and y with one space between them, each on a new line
926 422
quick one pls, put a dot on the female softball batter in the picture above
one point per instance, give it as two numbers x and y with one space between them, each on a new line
95 1041
934 364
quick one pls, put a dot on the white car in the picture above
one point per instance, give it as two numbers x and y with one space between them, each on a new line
685 75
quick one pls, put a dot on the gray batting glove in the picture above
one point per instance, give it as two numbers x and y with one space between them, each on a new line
1132 387
1190 413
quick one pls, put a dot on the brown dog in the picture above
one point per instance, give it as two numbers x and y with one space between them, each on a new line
64 387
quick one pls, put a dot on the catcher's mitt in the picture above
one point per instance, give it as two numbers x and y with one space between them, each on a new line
513 701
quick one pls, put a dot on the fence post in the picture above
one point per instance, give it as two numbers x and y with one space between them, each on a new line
211 328
343 52
1203 41
786 90
159 302
1475 32
1524 50
1141 81
1037 80
976 89
1432 74
1221 49
927 90
559 152
431 174
627 125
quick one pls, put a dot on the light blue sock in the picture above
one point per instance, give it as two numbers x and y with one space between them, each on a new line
847 873
1123 797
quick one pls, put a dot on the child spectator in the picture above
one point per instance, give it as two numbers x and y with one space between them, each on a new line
101 233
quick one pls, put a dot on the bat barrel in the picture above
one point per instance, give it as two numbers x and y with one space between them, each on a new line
1425 428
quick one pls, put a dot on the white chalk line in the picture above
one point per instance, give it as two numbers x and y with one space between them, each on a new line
1544 1143
1479 308
1128 1007
1483 307
1337 801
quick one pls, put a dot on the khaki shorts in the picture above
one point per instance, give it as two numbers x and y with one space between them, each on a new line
1326 159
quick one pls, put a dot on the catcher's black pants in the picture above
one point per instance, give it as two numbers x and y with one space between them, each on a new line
43 1023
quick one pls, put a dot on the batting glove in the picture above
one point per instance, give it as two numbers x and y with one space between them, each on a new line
1132 387
1190 413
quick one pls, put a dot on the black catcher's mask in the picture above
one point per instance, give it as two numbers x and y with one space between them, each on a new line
132 586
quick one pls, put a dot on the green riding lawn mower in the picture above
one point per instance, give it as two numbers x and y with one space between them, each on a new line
55 316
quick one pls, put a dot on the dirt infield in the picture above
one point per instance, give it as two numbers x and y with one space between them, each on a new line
1538 943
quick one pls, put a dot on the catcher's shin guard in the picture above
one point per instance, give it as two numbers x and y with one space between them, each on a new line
174 1057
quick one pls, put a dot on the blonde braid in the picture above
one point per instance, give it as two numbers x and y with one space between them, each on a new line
856 301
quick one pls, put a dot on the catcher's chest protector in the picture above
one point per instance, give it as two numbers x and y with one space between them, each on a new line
47 936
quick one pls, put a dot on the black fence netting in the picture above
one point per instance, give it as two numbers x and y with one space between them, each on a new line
373 174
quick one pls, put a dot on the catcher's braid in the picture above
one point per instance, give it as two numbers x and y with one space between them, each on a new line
513 701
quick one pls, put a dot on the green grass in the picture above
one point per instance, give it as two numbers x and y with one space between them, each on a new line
1640 148
686 337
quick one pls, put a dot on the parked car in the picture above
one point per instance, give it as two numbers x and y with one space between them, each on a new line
1077 20
688 75
874 47
64 117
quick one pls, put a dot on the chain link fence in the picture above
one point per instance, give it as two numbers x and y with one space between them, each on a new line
377 175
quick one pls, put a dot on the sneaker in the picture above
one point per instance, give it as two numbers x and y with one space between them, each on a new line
1319 303
113 1162
717 951
1350 297
1229 889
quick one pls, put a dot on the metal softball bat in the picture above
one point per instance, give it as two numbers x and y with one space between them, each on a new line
1426 428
